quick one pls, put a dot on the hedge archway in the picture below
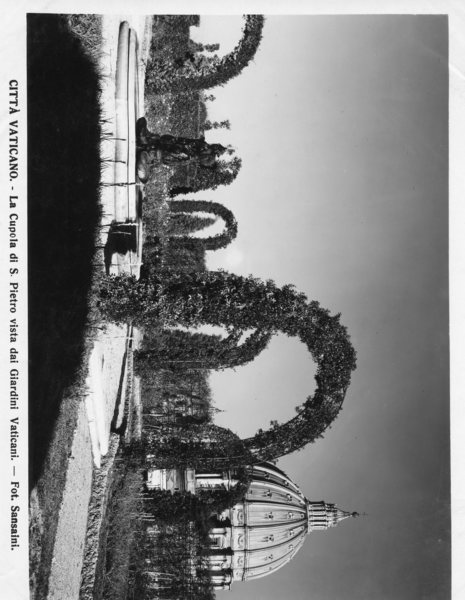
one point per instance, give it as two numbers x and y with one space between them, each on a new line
213 242
200 72
226 299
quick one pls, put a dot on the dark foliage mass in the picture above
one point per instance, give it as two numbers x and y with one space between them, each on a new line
218 210
182 349
170 545
197 71
63 212
224 173
244 303
168 564
183 224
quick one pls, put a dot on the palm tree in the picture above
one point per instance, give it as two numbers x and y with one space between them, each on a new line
201 72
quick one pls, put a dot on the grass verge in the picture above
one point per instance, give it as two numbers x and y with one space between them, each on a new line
122 519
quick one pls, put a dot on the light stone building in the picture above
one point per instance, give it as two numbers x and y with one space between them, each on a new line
262 532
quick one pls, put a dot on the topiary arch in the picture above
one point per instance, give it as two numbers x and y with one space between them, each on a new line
208 243
225 299
201 72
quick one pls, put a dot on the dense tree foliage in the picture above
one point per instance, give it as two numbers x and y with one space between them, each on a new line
172 549
204 47
186 350
169 561
244 303
206 446
168 255
218 210
174 394
216 125
197 71
180 223
224 173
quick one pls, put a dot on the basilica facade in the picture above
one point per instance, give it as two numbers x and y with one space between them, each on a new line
262 532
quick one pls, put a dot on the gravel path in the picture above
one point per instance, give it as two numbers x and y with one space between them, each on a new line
68 552
65 575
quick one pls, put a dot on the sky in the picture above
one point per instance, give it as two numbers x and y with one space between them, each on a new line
342 126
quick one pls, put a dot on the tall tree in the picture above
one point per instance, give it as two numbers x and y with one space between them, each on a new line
205 47
201 72
223 173
185 350
180 223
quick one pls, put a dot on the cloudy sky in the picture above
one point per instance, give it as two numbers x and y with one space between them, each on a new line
342 126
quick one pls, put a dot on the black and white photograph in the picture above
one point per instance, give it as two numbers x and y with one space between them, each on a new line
230 242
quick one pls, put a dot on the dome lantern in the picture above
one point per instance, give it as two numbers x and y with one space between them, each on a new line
322 515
